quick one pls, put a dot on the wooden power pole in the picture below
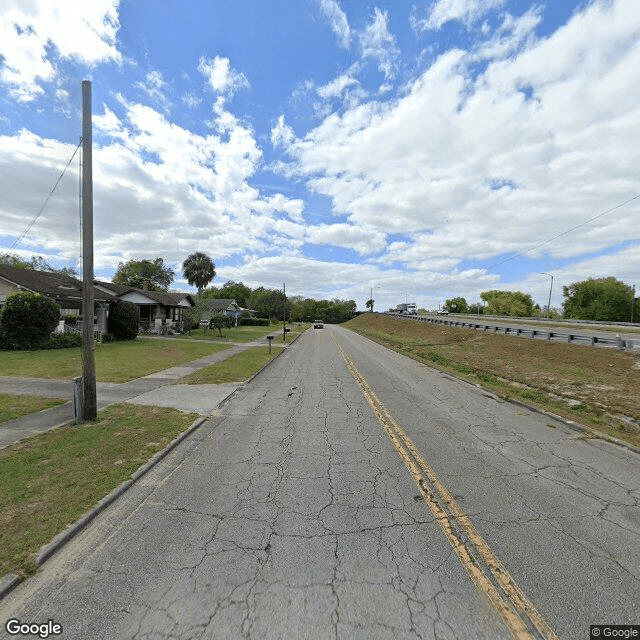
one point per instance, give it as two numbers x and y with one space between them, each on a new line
89 397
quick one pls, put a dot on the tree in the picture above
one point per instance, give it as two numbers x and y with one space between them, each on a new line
457 305
369 304
605 299
508 303
124 320
199 270
269 303
134 273
27 320
236 291
220 322
36 263
192 315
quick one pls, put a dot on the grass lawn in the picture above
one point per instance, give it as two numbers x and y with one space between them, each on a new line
49 480
13 406
115 361
237 368
245 334
593 386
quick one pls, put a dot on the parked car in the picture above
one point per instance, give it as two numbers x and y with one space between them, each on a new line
318 324
443 312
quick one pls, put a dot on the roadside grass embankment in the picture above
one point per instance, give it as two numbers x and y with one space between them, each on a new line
595 387
49 480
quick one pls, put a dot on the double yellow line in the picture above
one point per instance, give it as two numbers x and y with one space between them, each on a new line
477 558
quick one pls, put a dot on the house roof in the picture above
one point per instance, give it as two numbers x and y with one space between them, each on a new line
221 304
166 298
58 286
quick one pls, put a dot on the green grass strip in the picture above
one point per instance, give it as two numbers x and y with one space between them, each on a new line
14 406
49 480
237 368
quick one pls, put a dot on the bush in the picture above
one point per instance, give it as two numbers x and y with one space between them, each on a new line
27 320
220 322
253 322
64 341
123 320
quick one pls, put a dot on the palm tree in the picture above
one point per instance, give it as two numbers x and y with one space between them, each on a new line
199 270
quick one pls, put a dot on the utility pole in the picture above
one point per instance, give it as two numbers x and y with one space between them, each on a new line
633 300
284 312
89 399
550 288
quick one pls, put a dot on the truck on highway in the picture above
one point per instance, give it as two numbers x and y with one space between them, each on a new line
410 308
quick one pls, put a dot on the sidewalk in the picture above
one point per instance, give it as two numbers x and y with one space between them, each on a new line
156 389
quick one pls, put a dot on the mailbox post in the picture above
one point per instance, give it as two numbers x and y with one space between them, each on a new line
269 338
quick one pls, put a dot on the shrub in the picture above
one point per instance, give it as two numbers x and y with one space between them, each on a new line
253 322
123 320
64 341
27 320
220 322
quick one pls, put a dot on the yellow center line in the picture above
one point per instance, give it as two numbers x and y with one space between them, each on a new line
512 605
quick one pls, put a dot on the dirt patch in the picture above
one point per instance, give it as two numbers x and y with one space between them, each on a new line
596 386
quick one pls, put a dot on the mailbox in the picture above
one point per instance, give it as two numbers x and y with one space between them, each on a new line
269 338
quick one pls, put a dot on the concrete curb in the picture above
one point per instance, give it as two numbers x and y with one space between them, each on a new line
10 580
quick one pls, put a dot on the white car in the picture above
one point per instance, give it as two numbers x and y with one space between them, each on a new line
318 324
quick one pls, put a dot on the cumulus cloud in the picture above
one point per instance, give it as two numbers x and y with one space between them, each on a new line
359 238
34 34
220 76
474 165
338 21
159 190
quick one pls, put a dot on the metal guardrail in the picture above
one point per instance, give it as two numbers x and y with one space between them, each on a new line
541 334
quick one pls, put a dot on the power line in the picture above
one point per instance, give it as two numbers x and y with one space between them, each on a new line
24 233
564 233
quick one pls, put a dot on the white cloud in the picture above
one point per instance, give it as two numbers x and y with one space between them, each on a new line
282 134
220 76
336 87
443 11
337 20
473 166
359 238
28 29
378 43
159 190
154 87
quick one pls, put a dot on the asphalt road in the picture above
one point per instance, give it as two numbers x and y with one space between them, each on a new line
349 492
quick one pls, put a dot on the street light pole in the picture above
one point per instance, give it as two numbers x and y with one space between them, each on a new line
550 289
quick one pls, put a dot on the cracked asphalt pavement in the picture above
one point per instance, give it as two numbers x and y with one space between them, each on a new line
292 513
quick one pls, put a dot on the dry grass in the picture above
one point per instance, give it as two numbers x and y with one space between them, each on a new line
594 386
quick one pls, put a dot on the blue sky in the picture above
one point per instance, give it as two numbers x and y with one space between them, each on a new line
425 149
